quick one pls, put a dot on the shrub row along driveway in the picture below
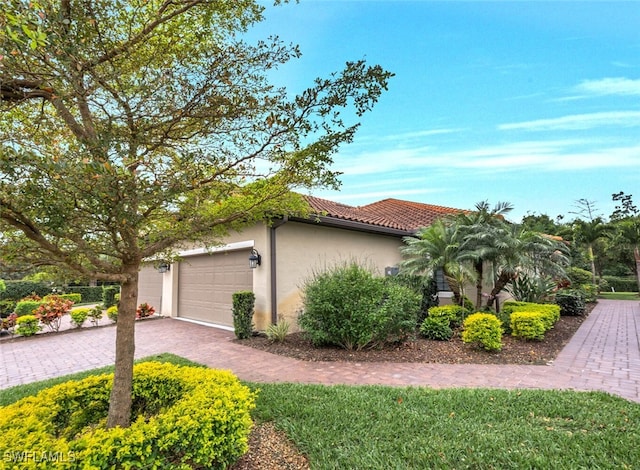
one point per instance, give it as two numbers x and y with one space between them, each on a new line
603 355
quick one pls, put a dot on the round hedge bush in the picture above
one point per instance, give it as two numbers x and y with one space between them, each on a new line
183 417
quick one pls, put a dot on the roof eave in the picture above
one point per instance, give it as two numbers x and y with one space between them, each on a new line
345 224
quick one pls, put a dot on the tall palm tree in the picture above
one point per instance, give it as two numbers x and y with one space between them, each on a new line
588 233
628 233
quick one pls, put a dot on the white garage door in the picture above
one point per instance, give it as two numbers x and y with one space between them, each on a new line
150 287
206 284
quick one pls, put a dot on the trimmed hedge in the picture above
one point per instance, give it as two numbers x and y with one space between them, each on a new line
455 314
622 284
549 313
528 325
75 298
183 417
17 290
89 293
243 308
109 296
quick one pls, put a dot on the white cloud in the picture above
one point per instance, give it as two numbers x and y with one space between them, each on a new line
610 86
578 122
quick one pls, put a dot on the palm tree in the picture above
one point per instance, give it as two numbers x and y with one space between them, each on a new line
433 248
628 232
481 232
588 233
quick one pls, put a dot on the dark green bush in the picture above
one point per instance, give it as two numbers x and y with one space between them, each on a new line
109 296
579 276
243 308
571 302
622 284
436 328
17 290
348 306
7 307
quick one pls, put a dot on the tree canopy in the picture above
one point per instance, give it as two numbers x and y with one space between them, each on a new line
128 128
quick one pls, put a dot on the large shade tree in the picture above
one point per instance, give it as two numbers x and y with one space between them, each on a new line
129 128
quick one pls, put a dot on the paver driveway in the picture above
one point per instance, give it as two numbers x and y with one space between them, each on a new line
603 355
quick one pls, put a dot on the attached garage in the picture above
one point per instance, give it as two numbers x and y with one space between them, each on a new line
206 284
150 287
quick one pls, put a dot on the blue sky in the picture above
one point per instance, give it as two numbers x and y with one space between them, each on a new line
534 103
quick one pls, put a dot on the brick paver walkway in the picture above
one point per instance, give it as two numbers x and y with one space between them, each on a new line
603 355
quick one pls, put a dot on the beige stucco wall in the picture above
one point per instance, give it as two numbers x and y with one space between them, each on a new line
303 249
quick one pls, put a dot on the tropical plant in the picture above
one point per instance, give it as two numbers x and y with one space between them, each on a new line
130 128
588 233
144 310
51 310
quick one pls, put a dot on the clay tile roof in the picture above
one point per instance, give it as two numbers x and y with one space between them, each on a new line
390 213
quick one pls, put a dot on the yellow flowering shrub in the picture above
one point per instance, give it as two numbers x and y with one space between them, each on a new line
183 417
528 325
484 329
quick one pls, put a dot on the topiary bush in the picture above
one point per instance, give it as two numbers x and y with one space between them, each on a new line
243 307
79 316
349 307
182 417
484 329
571 302
528 325
549 313
27 325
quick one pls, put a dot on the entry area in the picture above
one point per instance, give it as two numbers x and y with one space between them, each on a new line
206 284
150 287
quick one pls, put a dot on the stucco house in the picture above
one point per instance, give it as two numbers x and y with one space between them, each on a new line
199 287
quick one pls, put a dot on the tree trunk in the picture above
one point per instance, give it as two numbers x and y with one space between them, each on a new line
501 283
479 267
593 264
636 255
120 399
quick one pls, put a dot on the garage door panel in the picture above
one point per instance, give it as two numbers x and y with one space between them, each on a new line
207 283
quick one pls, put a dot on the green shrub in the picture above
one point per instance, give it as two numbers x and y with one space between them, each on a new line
531 288
579 276
484 329
7 307
528 325
455 314
27 307
504 316
17 290
95 314
436 328
79 316
622 284
243 307
27 325
349 307
183 417
109 295
589 292
277 333
571 302
112 313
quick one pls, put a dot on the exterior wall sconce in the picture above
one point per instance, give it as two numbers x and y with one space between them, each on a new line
164 267
254 259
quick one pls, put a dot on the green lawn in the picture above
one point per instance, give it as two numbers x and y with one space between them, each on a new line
379 427
619 295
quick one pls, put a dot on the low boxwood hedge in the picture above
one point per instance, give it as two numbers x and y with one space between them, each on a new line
183 417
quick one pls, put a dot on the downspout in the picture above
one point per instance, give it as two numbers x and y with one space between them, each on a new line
273 267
